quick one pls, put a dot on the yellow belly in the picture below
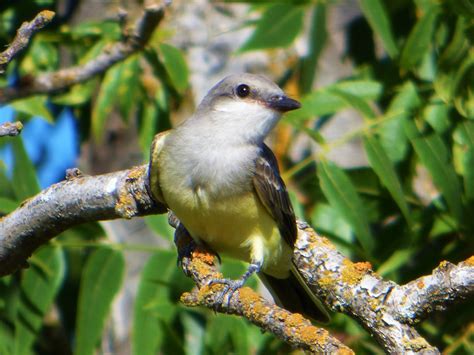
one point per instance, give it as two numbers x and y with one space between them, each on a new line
238 226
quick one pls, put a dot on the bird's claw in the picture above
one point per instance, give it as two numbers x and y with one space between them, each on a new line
230 287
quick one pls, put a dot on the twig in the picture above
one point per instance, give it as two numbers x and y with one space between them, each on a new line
23 36
10 129
448 283
292 328
50 83
122 194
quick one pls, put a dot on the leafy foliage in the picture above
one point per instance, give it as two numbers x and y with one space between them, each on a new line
417 104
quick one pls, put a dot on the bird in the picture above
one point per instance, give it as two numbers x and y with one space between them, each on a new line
220 179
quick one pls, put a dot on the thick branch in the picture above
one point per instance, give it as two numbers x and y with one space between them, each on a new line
10 129
447 284
23 36
80 199
56 81
292 328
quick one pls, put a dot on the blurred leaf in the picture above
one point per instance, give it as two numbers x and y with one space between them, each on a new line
437 115
24 174
101 279
464 138
77 95
159 224
434 155
278 27
153 303
175 66
194 330
41 56
355 102
316 42
7 205
464 87
106 99
39 285
34 106
149 115
419 39
342 195
398 259
392 133
324 101
127 89
384 169
375 13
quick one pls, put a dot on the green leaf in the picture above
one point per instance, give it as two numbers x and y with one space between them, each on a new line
384 169
464 148
278 27
175 66
195 332
153 303
375 13
77 95
355 102
392 133
159 224
24 173
101 279
127 89
341 194
419 39
434 155
34 106
7 205
317 40
105 100
324 101
39 285
437 115
398 259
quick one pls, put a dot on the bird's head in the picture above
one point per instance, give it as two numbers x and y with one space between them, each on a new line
245 105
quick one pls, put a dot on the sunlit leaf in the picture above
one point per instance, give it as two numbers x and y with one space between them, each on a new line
342 195
24 174
376 15
278 27
175 66
34 106
101 279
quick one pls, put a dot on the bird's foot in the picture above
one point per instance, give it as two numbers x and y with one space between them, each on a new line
231 286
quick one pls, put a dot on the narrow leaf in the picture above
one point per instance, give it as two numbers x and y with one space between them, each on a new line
175 66
34 106
375 13
342 195
419 39
101 279
384 169
278 27
24 174
434 155
39 285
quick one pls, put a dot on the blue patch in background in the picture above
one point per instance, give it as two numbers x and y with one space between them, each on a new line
52 148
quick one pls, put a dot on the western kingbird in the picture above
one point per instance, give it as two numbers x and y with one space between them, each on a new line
223 183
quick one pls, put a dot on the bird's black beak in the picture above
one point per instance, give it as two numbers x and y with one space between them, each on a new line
283 103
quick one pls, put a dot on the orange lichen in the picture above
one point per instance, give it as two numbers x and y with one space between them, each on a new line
470 261
420 284
352 273
203 255
125 205
247 295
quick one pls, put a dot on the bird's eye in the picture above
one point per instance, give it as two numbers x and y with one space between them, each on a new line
243 90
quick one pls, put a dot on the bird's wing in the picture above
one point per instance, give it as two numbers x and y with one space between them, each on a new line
272 193
154 169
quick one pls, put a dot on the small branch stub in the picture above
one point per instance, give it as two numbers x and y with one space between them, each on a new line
10 129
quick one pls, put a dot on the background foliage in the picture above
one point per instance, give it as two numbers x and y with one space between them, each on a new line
417 105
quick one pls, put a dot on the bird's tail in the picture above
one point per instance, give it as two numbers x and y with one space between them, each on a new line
295 296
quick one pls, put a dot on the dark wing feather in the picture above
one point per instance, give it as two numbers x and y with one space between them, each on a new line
272 193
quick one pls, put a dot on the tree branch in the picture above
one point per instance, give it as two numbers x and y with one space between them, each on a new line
56 81
23 36
294 329
10 129
447 284
80 199
387 310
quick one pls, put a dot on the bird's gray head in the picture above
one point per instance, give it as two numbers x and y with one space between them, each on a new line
245 105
